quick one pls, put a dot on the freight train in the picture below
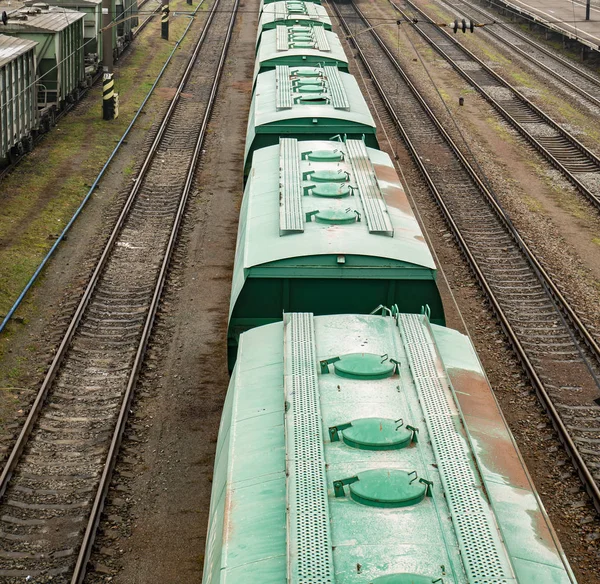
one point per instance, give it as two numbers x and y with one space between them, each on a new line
49 55
356 445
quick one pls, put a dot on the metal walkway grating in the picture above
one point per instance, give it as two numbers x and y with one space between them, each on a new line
281 35
374 207
335 88
310 558
283 88
321 38
483 554
291 219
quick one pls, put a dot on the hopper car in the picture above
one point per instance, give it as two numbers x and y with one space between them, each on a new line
354 448
326 226
51 51
299 45
289 12
306 103
18 99
360 449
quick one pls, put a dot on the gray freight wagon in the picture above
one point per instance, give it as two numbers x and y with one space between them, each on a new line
18 102
59 35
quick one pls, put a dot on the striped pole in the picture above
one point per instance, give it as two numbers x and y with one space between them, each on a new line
164 22
108 97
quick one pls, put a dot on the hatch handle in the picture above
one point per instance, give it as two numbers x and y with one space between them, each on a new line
399 425
307 188
334 431
414 472
429 485
310 215
415 432
325 363
338 486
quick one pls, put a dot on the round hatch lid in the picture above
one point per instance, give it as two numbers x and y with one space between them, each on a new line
338 175
387 488
325 156
364 366
336 217
331 190
308 72
310 88
377 434
405 579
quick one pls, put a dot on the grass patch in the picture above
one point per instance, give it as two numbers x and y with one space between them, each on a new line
38 199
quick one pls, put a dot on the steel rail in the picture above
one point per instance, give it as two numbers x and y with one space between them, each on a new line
98 506
538 47
42 394
538 385
544 118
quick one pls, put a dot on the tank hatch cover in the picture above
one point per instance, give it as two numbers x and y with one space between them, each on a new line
364 366
338 175
405 579
384 487
374 434
331 190
310 88
336 216
325 155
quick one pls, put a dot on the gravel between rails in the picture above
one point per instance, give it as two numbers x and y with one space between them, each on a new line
48 499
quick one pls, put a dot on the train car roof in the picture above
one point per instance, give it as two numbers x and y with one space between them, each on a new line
278 98
370 450
273 222
54 19
283 12
11 48
265 2
290 44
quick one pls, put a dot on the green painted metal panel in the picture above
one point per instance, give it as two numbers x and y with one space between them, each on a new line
269 55
323 268
268 121
437 385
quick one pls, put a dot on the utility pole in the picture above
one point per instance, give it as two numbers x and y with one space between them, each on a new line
587 10
110 99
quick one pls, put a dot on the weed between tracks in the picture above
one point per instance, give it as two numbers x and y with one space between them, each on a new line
41 195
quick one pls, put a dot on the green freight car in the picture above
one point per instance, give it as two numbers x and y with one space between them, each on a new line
298 45
291 12
59 34
306 103
18 100
326 226
370 450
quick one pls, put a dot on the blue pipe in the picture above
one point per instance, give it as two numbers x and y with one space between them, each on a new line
93 187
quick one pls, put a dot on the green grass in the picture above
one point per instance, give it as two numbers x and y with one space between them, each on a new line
40 196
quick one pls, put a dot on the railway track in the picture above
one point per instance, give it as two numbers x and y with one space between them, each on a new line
578 164
558 353
54 483
582 82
